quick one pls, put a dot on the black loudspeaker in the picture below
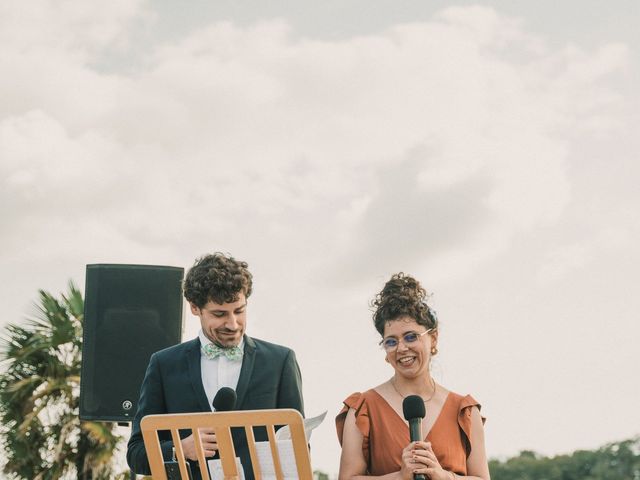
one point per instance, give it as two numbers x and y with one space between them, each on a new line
130 312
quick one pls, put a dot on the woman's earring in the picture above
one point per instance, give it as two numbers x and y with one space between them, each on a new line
434 350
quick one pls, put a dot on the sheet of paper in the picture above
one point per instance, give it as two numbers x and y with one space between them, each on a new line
287 460
265 459
309 425
216 472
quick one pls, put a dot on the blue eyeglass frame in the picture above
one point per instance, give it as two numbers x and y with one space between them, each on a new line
407 339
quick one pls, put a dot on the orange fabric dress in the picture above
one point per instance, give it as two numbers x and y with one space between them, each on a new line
386 434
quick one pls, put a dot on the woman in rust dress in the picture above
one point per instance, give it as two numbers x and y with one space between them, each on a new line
371 427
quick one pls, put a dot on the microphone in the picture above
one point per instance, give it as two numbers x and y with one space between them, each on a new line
225 400
414 411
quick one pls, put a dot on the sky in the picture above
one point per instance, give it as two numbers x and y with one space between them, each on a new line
489 149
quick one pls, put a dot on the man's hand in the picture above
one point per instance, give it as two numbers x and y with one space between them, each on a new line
209 444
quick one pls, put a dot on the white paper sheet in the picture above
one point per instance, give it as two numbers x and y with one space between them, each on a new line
265 459
309 425
287 460
216 472
285 450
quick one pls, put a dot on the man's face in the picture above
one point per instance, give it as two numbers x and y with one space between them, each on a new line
223 324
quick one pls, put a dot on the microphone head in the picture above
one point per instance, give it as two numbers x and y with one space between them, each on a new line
413 407
225 400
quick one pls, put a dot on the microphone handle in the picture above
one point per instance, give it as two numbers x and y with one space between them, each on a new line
415 433
415 429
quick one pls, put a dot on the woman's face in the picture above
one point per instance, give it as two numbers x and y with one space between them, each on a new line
410 358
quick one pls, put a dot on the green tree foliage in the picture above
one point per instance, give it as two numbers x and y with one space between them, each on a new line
42 436
615 461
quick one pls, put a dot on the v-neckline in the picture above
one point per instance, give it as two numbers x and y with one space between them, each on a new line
397 415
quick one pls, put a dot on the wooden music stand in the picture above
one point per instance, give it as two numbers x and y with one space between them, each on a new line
222 422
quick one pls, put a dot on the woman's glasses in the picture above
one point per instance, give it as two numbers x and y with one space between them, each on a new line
390 344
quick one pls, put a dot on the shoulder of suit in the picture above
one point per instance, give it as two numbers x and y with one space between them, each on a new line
268 347
177 349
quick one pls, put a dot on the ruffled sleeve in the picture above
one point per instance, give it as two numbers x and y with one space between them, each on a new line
464 420
358 403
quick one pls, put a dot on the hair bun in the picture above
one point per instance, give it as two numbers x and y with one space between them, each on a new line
402 296
405 286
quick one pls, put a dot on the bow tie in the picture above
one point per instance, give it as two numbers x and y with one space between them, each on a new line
212 351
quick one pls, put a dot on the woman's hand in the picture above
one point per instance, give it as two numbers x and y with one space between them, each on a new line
429 464
413 460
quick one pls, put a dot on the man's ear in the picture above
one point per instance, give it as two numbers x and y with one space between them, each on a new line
194 309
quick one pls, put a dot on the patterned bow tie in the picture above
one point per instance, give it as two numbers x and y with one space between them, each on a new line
212 351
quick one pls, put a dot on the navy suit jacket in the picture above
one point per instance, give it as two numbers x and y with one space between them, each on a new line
269 378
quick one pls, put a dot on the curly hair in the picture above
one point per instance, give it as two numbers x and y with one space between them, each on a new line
402 296
219 278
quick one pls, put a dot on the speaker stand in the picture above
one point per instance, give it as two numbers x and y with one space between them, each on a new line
132 474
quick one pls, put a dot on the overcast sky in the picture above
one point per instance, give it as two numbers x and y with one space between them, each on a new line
488 149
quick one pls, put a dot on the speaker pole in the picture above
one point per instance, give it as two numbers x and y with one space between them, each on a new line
132 474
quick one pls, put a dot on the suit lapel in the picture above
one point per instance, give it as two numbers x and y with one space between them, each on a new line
195 375
248 360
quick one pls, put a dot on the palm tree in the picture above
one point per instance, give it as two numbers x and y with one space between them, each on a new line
41 433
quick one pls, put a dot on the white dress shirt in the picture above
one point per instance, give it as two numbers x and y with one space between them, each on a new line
219 372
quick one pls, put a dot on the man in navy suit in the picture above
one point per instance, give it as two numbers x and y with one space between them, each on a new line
185 378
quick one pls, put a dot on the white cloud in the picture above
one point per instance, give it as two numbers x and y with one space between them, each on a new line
426 143
80 28
46 52
561 261
432 147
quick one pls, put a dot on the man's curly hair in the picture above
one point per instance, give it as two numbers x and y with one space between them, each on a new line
219 278
402 296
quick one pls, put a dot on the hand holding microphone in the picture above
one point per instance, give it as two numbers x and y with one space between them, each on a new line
209 444
419 455
224 401
414 411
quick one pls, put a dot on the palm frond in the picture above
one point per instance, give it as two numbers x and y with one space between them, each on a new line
73 301
42 436
99 432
